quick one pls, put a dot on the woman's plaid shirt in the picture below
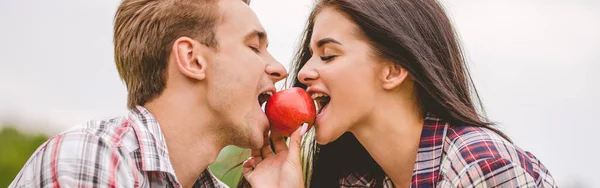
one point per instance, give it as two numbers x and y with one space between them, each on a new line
464 156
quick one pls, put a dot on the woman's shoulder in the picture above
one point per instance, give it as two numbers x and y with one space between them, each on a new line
478 155
480 140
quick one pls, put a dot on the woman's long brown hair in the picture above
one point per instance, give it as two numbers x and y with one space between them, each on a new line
417 35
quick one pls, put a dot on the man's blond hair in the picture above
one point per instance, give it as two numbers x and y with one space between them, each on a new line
144 33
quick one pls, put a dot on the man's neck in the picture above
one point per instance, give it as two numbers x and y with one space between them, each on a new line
192 144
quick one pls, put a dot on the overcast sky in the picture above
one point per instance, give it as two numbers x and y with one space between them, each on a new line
534 62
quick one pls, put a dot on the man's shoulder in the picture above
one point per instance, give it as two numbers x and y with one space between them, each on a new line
91 132
90 151
93 136
105 128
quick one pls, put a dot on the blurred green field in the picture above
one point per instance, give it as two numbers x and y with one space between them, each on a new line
229 158
16 147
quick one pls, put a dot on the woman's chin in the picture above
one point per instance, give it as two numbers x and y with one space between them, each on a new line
325 137
321 142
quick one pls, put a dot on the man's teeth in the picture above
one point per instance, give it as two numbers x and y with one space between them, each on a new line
264 97
316 95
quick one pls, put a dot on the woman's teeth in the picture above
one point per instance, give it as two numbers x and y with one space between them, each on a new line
321 100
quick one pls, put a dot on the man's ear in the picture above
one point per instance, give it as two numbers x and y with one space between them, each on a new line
392 75
189 57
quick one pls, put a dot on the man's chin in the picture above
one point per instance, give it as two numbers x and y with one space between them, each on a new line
258 142
254 138
256 146
254 142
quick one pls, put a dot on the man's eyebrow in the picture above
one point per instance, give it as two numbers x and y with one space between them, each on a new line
262 35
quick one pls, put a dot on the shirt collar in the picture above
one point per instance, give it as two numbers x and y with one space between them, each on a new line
152 144
153 147
433 133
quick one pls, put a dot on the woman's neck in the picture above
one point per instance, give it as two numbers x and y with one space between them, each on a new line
392 136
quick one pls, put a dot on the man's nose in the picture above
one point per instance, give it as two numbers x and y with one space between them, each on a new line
276 71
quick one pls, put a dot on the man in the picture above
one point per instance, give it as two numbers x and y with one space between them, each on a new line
196 73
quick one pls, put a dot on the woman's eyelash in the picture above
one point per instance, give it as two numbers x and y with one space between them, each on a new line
327 58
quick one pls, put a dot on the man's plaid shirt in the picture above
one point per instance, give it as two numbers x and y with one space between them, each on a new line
464 156
121 152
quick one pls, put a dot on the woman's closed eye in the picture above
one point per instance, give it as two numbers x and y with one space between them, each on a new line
328 58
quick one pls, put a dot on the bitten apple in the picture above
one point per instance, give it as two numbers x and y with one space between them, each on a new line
288 109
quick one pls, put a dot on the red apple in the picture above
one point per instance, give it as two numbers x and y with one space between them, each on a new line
288 109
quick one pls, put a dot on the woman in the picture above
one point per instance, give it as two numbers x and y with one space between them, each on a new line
396 106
